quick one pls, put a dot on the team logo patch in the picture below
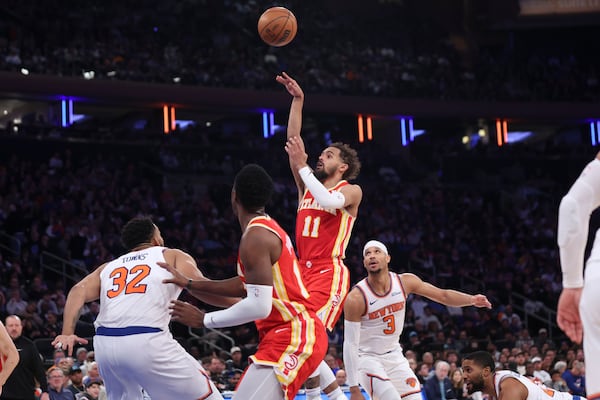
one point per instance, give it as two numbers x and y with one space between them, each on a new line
412 382
290 363
336 300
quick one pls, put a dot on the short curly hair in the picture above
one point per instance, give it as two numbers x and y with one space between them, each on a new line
137 231
253 187
350 157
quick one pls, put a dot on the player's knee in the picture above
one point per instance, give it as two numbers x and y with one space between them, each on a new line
313 382
390 393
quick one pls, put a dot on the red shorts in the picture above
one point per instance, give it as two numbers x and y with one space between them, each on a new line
328 283
294 349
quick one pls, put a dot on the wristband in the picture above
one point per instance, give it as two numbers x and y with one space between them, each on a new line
189 285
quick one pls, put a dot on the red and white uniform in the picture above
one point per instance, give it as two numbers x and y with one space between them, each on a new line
322 236
536 390
379 351
291 339
134 347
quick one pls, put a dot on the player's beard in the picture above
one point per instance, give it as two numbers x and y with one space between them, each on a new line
321 174
475 385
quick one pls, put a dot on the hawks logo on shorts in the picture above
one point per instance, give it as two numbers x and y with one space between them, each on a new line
290 363
412 382
336 300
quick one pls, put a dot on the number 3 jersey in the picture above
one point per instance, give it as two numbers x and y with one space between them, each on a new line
322 233
383 321
132 292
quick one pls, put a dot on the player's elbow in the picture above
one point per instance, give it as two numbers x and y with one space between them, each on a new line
568 220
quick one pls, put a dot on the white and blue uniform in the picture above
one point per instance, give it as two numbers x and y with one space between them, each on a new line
536 391
379 350
133 345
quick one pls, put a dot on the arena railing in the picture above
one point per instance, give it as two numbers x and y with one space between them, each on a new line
61 268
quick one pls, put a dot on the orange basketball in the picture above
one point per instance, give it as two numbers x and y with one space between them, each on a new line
277 26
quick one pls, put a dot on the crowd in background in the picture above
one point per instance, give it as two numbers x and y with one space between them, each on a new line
71 200
385 49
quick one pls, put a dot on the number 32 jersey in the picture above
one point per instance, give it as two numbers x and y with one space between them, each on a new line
132 292
383 321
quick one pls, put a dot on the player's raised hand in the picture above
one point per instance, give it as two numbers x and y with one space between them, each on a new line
567 316
186 314
480 300
290 84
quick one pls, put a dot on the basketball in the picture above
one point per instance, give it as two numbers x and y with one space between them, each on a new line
277 26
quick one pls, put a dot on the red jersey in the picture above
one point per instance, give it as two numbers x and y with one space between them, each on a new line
322 233
292 339
289 293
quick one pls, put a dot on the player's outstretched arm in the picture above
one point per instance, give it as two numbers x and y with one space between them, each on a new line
295 117
449 297
294 127
257 253
573 222
187 275
567 316
86 290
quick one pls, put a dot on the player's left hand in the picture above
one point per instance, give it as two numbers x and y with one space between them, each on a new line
296 152
187 314
480 300
178 278
67 342
567 315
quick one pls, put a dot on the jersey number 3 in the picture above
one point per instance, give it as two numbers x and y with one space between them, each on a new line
311 227
119 277
391 324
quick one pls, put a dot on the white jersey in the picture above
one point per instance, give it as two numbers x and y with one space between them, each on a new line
383 321
536 391
132 292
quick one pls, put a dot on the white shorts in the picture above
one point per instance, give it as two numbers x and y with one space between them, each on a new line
590 317
393 367
153 361
259 382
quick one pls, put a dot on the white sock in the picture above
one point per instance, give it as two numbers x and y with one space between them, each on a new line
314 393
336 394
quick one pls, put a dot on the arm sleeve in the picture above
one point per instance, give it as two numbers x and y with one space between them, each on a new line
256 305
573 223
351 339
323 196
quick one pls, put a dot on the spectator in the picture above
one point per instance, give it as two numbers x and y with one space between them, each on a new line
575 378
539 373
57 385
93 389
76 377
21 383
439 386
16 305
459 387
233 378
422 373
558 383
238 361
340 377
